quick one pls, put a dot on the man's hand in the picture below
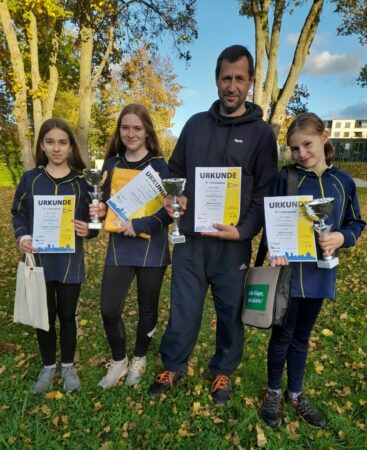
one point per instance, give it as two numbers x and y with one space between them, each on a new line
330 242
181 200
227 232
127 229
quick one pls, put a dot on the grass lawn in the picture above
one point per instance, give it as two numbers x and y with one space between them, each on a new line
127 418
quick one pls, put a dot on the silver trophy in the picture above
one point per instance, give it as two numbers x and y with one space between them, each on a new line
174 187
319 210
94 178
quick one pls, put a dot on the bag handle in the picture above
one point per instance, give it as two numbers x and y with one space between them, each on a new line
292 189
30 260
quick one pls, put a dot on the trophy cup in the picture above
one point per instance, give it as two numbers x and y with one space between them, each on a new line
319 210
174 188
93 178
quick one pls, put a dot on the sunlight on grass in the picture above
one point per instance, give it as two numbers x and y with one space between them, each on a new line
126 417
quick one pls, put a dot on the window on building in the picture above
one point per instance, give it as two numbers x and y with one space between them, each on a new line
347 124
346 134
337 134
338 125
358 134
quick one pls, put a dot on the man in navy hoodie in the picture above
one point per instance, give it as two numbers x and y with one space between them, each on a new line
231 134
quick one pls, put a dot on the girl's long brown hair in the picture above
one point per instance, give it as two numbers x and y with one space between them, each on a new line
116 146
75 160
312 122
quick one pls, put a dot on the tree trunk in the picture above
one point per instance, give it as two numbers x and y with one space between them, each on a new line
303 45
87 84
20 107
32 33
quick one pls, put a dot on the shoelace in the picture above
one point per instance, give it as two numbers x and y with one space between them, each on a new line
302 406
271 400
165 377
220 382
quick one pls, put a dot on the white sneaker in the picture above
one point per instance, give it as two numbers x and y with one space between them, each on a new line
45 379
70 379
136 370
115 371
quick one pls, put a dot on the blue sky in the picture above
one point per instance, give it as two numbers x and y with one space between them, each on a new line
329 73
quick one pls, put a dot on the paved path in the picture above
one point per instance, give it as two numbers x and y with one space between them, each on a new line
360 183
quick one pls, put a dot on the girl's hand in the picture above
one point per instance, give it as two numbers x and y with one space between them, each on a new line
330 242
81 228
25 245
278 261
127 229
100 210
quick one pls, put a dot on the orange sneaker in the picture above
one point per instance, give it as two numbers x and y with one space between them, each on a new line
164 382
221 389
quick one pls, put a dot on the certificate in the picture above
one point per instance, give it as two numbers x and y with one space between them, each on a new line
217 197
53 226
289 230
143 193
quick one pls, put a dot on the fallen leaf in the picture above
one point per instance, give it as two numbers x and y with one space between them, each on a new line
327 332
261 438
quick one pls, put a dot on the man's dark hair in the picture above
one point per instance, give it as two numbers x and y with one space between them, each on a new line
233 54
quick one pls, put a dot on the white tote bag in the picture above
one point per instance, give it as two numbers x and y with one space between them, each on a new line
30 306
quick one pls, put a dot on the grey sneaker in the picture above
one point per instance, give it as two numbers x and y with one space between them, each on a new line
307 412
44 381
271 409
70 379
115 371
136 370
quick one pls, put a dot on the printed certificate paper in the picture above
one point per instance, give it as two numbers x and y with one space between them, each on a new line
217 197
53 229
288 228
142 196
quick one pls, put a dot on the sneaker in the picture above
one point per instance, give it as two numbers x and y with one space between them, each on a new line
221 389
115 371
164 382
70 379
305 411
136 370
271 409
45 379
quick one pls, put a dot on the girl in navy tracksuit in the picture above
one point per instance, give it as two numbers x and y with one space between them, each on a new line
313 154
58 172
139 248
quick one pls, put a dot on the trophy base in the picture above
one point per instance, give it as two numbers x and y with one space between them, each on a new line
327 264
95 226
180 239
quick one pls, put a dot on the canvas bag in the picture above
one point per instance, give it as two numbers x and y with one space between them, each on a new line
267 289
266 296
30 306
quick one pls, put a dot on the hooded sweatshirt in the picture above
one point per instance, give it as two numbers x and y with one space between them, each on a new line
309 281
211 140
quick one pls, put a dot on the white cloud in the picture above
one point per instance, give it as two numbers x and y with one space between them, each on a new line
319 39
190 92
327 63
292 38
356 111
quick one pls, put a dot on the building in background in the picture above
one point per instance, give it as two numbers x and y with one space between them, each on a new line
349 137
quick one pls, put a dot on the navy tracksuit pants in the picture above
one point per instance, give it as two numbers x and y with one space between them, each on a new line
198 263
289 343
